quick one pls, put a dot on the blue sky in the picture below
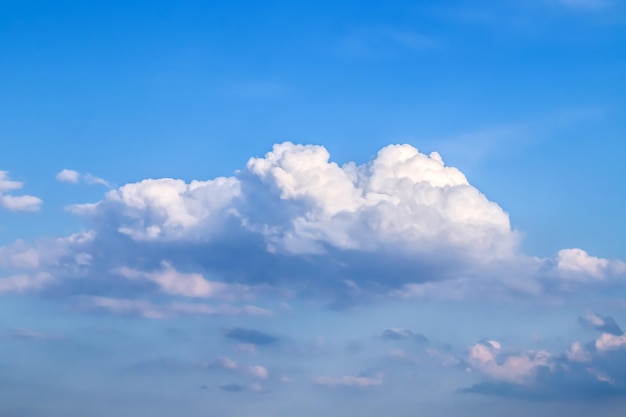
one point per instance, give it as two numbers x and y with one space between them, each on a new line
296 208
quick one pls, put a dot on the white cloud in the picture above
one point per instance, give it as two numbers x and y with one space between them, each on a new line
609 342
259 371
16 203
349 381
20 203
578 263
301 203
6 184
169 209
176 283
91 180
74 177
402 198
520 368
68 175
403 224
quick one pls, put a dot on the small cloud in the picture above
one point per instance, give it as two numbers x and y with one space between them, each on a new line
27 203
68 175
578 261
610 342
91 180
74 177
225 363
258 371
172 282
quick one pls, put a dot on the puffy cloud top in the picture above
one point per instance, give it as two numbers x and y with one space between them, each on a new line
299 202
68 175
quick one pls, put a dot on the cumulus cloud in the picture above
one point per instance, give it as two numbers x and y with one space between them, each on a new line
592 370
16 203
295 219
401 197
578 263
300 202
610 341
68 175
403 224
519 368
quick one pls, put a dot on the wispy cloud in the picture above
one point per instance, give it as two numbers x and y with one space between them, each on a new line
74 177
385 42
149 310
349 381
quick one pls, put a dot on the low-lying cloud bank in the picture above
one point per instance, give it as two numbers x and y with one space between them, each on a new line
403 224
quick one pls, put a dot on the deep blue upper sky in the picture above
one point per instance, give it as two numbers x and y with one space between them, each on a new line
530 93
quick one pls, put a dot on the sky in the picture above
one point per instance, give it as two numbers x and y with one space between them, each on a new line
307 208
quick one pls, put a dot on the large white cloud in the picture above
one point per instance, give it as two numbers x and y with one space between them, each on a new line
403 224
402 198
302 203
